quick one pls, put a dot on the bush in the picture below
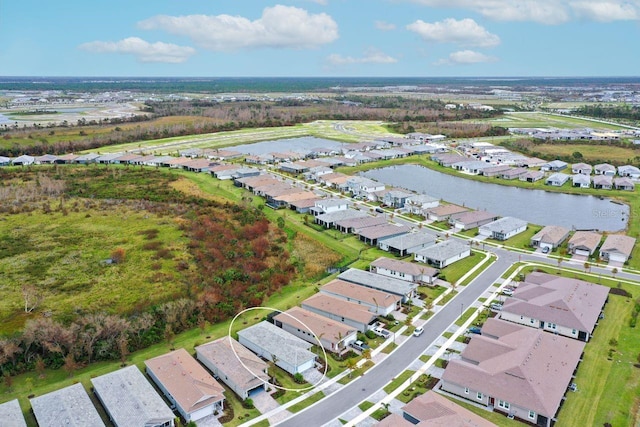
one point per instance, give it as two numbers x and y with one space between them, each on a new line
390 317
298 378
370 334
248 403
361 337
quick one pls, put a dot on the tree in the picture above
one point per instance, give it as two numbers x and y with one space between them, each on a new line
32 297
614 271
577 155
169 335
40 367
366 354
70 365
587 266
350 364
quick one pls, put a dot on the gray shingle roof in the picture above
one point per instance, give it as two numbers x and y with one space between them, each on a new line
282 344
504 225
130 399
377 281
409 240
69 406
443 250
11 414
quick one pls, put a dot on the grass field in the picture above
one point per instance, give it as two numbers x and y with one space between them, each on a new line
63 255
539 119
591 153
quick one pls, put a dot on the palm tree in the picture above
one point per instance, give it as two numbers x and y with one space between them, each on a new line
587 266
366 354
350 364
614 271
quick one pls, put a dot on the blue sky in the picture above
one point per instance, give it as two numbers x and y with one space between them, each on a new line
221 38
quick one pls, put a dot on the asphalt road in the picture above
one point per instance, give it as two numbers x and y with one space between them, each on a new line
398 361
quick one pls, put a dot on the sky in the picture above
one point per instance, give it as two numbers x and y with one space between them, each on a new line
320 38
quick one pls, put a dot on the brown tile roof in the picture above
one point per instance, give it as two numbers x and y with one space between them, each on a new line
393 420
236 361
186 380
411 268
299 195
446 210
524 366
339 307
618 243
383 230
361 293
588 239
473 216
551 234
432 409
361 222
564 301
323 327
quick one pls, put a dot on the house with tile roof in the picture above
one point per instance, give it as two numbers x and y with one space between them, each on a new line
186 384
551 236
379 302
617 248
560 305
520 371
406 244
405 290
433 409
235 365
347 312
442 254
584 243
403 270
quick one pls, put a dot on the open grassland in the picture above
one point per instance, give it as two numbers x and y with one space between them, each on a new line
62 254
591 153
347 131
538 119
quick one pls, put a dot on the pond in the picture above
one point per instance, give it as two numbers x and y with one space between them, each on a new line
534 206
298 145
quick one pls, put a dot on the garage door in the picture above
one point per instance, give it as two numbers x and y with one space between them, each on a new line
582 252
616 257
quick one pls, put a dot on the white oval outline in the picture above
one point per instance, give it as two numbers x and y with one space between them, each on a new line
324 352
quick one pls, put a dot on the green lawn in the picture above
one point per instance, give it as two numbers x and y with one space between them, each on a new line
466 315
452 273
365 405
397 381
238 410
306 402
356 372
523 239
478 271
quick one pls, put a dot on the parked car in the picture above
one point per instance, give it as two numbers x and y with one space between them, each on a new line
545 250
418 331
474 330
496 306
359 345
573 387
508 292
379 210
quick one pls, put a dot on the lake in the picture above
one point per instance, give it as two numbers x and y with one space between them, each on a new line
534 206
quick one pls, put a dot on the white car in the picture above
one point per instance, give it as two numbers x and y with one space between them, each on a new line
418 331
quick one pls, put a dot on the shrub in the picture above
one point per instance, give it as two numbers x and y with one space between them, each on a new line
370 334
248 403
298 378
118 255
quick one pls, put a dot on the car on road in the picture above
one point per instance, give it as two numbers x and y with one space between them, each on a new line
418 331
379 210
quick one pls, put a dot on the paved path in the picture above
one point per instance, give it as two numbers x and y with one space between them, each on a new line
265 403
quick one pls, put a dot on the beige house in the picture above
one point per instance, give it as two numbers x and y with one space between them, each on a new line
617 248
349 313
378 302
403 270
550 237
194 392
584 243
235 365
560 305
517 370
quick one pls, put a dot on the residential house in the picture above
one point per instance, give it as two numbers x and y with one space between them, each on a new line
559 305
24 160
551 236
107 158
605 169
378 302
554 166
407 243
338 309
235 365
472 167
629 171
291 197
497 370
333 335
371 235
447 159
417 203
357 224
581 181
324 206
333 180
70 405
532 162
403 270
186 384
603 182
11 414
444 212
532 176
471 219
496 170
513 173
362 187
581 168
584 243
278 346
623 184
432 409
130 400
329 220
396 198
45 159
503 228
5 161
557 179
444 253
303 206
84 159
402 288
617 248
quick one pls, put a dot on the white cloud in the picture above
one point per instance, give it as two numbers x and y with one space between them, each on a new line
465 57
143 50
278 27
384 26
605 11
550 12
465 32
371 56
